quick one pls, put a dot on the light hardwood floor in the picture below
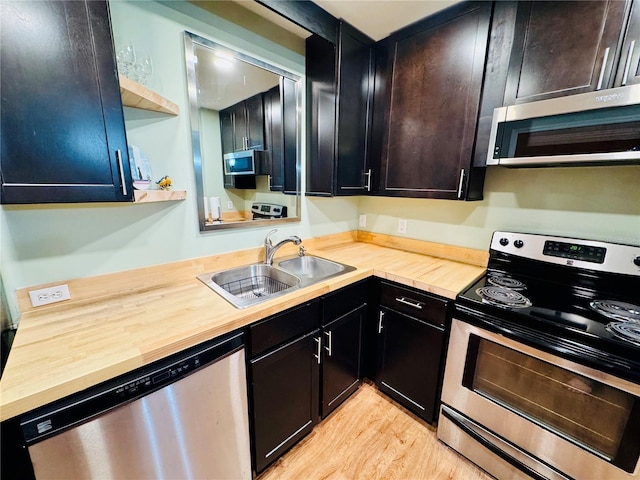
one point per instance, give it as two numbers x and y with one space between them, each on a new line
371 437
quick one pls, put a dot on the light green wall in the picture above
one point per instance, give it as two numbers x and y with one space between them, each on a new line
600 203
41 244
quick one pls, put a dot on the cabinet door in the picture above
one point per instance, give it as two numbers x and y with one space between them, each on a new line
409 358
274 138
342 358
285 397
254 111
226 131
629 66
320 69
63 134
355 76
563 48
428 93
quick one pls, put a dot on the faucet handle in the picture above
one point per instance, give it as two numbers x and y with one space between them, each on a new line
267 239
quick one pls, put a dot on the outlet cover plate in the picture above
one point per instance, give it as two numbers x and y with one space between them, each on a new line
363 220
45 296
402 225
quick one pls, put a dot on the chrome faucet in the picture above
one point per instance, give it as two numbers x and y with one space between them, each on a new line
270 249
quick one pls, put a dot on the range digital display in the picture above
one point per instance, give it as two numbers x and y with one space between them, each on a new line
574 251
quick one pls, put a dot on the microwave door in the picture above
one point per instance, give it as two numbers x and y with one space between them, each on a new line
524 136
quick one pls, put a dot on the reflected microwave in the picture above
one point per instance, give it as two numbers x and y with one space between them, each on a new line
595 128
240 163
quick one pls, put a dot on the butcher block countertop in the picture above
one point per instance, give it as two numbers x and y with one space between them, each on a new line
118 322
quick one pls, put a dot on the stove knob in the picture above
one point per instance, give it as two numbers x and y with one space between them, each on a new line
504 241
636 261
518 244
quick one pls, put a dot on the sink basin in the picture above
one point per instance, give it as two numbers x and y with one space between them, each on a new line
310 267
250 284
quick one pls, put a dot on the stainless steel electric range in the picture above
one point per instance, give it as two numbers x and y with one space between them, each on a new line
542 377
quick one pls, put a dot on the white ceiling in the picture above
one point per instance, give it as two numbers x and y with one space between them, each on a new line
376 18
379 18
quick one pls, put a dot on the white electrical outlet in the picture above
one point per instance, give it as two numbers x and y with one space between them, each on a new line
229 205
363 220
48 295
402 225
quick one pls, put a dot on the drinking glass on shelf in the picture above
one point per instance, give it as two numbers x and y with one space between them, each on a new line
126 59
144 70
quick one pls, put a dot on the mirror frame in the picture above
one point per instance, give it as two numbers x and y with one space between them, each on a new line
190 42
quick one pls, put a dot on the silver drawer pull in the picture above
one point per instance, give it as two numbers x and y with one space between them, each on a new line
413 304
123 185
380 317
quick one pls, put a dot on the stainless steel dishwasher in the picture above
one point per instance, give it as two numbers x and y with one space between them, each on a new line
183 417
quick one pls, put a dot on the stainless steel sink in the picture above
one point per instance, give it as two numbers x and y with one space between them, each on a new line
250 284
314 268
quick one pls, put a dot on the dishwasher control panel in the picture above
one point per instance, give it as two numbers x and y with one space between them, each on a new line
85 405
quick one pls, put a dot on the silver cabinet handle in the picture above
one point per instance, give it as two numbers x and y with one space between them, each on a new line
367 174
380 317
121 169
414 304
627 65
328 348
602 69
461 183
319 345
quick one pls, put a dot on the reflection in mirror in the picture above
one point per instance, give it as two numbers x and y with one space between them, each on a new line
245 137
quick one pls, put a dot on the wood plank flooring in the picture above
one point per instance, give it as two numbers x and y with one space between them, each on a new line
372 437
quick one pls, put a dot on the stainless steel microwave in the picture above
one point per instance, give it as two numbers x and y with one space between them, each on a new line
595 128
240 163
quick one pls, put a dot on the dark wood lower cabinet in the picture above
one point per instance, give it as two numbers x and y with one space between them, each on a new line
409 356
342 358
285 397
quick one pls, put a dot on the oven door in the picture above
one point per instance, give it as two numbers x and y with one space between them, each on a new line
514 408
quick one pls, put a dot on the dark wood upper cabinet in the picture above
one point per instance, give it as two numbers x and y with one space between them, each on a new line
339 90
429 79
628 72
63 133
570 47
242 125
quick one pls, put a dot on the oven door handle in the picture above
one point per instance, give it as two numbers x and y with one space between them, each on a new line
489 441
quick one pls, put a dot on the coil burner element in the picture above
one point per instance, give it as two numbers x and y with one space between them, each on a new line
506 281
503 297
629 331
620 311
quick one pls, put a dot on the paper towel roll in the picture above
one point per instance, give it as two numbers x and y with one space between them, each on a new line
206 209
216 210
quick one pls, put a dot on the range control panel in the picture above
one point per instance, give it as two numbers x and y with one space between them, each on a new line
575 253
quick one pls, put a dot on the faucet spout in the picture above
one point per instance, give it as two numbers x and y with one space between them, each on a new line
270 249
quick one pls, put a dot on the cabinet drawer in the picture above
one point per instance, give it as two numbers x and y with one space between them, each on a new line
344 301
416 304
276 330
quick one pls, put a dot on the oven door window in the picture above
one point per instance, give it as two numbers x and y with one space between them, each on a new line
593 415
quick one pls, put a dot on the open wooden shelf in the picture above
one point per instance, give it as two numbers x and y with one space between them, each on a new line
148 196
137 95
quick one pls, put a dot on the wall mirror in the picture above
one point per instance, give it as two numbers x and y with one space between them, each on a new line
246 139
